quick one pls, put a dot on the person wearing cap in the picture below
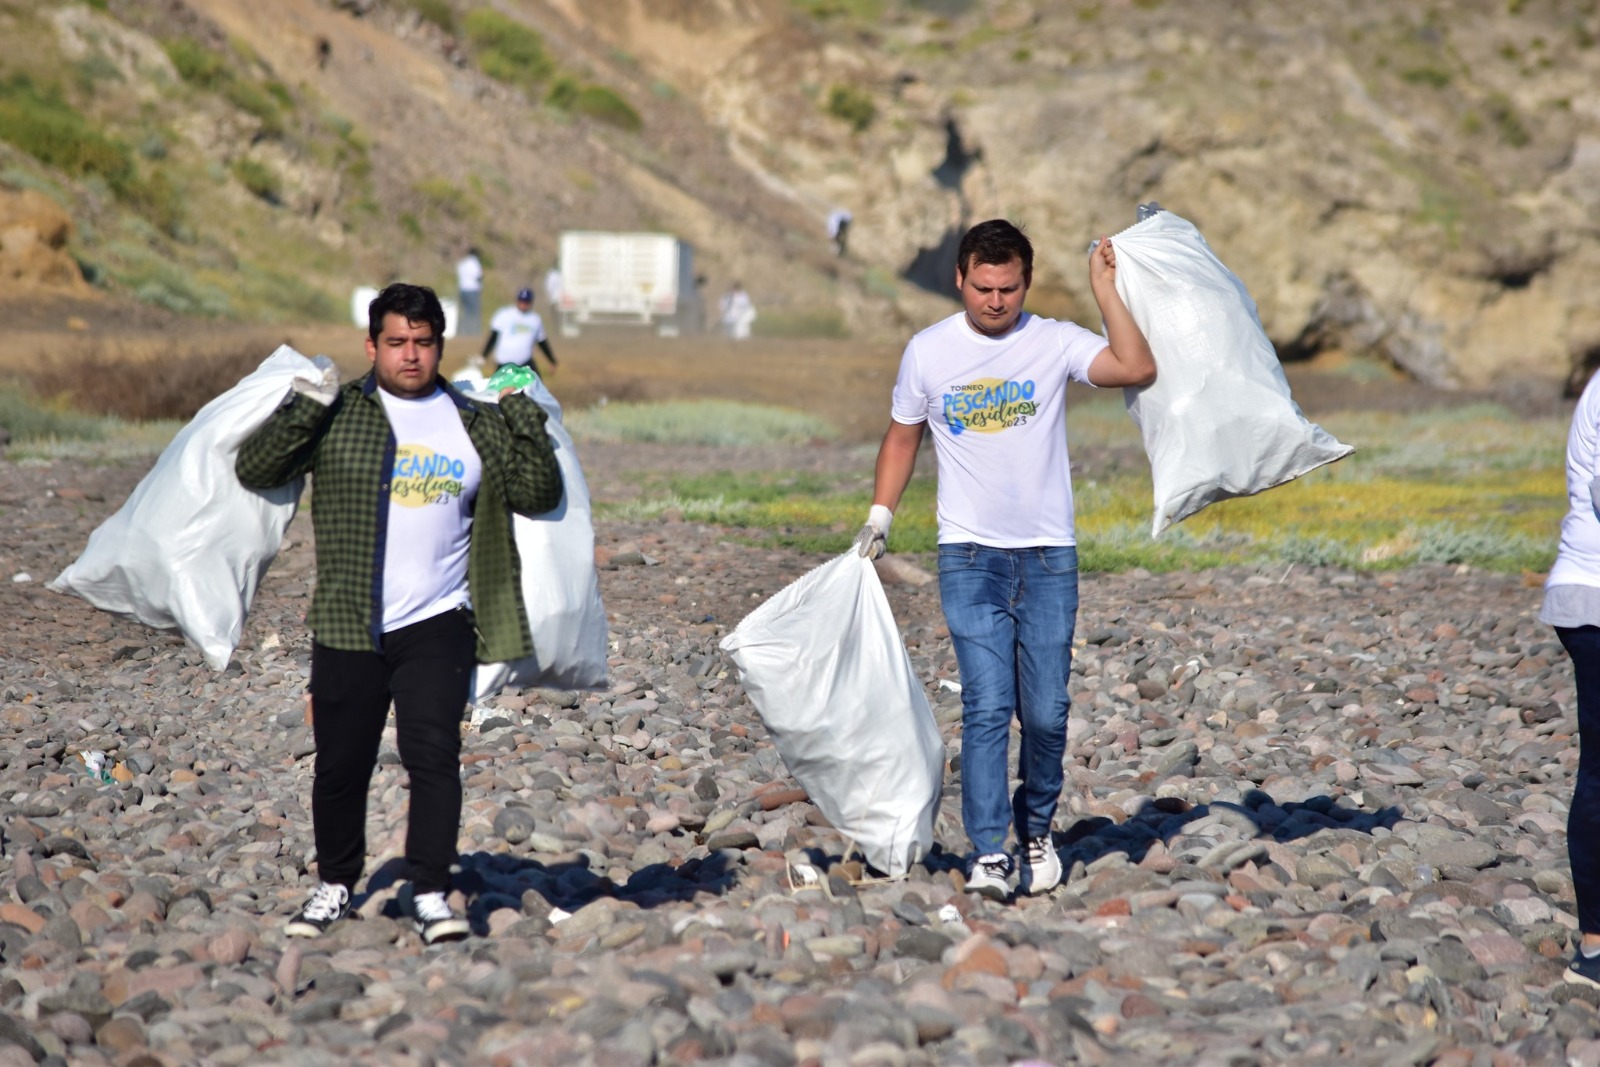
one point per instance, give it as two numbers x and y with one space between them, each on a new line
513 332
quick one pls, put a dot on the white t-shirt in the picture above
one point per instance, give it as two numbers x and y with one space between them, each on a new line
552 287
469 274
1578 558
997 411
432 489
519 331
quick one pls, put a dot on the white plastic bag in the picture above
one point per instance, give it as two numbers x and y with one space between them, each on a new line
823 662
560 586
189 546
1218 421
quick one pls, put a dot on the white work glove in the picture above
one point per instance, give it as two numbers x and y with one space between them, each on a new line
323 388
873 540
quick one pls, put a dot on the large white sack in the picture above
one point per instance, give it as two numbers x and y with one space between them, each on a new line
1218 421
560 585
823 663
189 546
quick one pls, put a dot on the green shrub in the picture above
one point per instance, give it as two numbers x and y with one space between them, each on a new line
46 127
254 101
563 94
447 198
852 105
1313 551
260 179
1432 77
507 50
27 419
1506 121
437 12
823 322
860 10
197 64
595 102
158 200
603 105
153 278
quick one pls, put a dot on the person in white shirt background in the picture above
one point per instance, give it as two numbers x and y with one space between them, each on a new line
513 332
738 312
469 289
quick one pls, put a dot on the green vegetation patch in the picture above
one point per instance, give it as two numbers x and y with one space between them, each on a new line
47 428
219 72
437 12
261 180
41 123
703 422
802 322
1473 485
596 102
851 105
508 50
847 10
28 419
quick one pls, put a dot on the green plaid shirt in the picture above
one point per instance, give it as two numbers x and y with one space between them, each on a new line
349 448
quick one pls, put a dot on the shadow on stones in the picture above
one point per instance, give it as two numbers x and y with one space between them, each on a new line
492 881
1257 816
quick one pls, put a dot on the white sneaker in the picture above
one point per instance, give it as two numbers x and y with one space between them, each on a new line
436 920
989 876
1041 866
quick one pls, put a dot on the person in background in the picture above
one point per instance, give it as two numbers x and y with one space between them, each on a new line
469 290
839 230
737 312
990 383
1572 606
513 332
552 288
418 579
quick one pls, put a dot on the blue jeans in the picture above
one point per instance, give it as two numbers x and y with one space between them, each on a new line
1011 613
1583 819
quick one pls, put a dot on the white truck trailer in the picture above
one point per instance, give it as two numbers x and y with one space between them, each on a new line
632 279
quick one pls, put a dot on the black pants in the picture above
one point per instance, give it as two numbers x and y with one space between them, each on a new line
1583 819
426 669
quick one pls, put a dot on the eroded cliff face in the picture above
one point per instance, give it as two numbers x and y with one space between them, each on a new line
1420 184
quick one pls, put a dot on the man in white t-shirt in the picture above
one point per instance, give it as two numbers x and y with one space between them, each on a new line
989 383
513 332
418 579
469 288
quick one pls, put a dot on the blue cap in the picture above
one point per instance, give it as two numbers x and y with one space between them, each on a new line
525 294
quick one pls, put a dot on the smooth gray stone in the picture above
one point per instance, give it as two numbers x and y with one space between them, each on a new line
513 824
1451 961
922 943
92 1006
1469 853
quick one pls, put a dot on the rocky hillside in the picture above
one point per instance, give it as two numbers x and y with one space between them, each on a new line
1417 183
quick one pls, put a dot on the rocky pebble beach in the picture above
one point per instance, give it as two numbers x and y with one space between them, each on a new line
1312 816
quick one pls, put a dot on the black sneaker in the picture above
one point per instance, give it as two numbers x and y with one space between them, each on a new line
1584 969
989 876
328 904
436 920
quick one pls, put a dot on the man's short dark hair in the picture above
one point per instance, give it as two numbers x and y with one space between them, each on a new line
414 303
996 242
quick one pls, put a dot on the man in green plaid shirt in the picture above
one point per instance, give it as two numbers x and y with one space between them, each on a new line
418 579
